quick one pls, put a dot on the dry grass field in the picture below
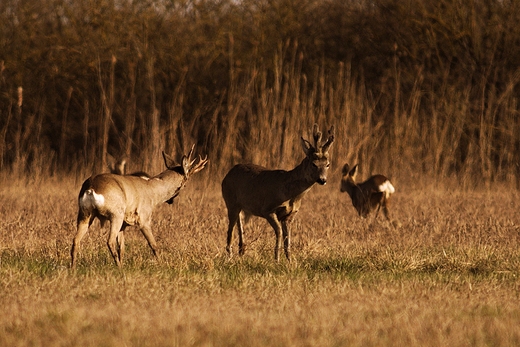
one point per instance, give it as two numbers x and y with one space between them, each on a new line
413 89
447 276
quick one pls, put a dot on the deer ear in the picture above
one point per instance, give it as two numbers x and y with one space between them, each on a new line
354 171
111 162
307 147
345 169
169 161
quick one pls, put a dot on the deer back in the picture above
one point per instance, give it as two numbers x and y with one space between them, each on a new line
260 191
113 194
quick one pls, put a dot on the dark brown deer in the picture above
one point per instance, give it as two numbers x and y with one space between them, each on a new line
368 195
274 194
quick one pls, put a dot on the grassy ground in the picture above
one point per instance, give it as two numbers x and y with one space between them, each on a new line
448 276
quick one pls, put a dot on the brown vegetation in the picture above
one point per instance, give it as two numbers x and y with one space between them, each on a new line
414 87
448 276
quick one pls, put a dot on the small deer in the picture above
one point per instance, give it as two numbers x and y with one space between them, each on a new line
274 194
369 195
118 167
129 200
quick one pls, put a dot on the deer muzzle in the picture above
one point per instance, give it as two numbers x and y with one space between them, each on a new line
322 180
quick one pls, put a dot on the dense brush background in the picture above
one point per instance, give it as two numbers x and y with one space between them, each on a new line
415 88
423 91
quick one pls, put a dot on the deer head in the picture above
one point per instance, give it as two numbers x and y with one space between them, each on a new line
187 168
318 155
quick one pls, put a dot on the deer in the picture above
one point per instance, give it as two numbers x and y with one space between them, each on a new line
130 200
118 167
275 195
368 195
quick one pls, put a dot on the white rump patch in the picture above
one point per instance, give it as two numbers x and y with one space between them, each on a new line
91 199
387 188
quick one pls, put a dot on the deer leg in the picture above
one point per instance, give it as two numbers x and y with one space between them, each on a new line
385 209
121 243
233 217
83 224
377 199
286 240
377 211
275 223
241 245
147 232
115 226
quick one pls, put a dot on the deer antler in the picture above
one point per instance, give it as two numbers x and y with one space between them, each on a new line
316 134
193 166
190 153
199 166
327 144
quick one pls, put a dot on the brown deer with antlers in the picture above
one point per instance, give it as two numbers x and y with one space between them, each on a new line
130 200
274 194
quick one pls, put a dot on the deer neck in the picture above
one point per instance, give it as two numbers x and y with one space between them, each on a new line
298 181
166 185
352 189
